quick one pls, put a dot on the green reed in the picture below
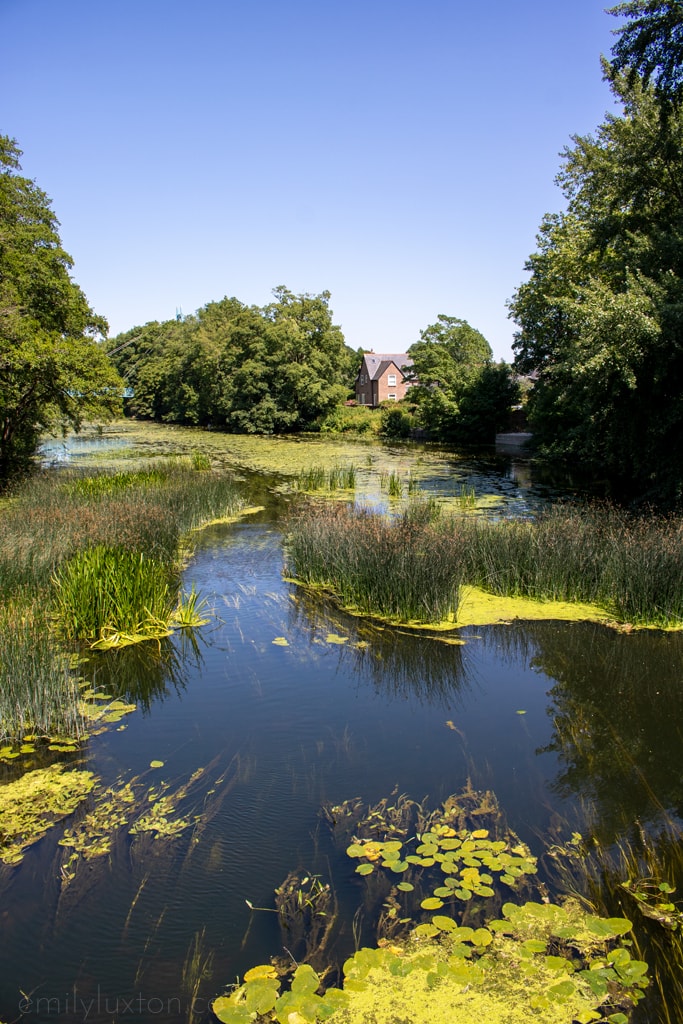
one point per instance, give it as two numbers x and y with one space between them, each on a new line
54 516
38 688
99 554
317 478
631 566
104 591
398 569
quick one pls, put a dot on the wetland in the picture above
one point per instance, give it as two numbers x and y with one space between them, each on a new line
223 757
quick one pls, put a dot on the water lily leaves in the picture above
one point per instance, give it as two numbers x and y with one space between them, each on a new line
33 803
405 886
606 929
305 979
333 638
281 641
260 971
229 1012
261 994
482 937
431 903
156 764
364 869
427 931
443 923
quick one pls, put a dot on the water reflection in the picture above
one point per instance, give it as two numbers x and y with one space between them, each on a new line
397 663
616 706
146 672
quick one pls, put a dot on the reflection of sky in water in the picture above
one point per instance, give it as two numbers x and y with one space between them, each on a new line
345 709
64 451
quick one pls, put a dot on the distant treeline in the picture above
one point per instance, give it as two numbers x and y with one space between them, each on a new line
246 369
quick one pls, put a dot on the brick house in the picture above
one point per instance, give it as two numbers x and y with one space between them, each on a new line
381 379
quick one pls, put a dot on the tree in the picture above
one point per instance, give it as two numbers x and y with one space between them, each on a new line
601 315
650 45
243 368
448 361
53 371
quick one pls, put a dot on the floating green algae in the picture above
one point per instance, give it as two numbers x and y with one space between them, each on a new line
32 804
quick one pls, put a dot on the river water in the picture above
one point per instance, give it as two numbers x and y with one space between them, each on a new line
287 704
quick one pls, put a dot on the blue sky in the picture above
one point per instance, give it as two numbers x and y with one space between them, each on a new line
399 154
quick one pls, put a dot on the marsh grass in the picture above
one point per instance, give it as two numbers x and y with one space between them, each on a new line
99 554
399 568
317 478
38 688
55 516
104 591
631 566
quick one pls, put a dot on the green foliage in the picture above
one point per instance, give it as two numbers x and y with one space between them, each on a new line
397 569
111 543
550 962
650 44
318 478
351 419
261 994
412 568
396 421
53 373
38 686
461 395
470 861
110 592
245 369
600 315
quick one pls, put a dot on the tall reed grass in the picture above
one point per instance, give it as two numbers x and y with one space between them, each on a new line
38 688
631 566
104 591
99 555
399 568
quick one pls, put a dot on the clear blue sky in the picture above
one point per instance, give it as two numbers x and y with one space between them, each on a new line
399 154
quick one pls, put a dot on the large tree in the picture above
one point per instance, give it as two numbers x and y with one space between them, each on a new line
246 369
601 315
53 371
461 395
650 45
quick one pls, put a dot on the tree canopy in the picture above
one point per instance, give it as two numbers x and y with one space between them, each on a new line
601 316
245 369
53 371
461 395
650 45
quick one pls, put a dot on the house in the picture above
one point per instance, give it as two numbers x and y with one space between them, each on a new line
381 379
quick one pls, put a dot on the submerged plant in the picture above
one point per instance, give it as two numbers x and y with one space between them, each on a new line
33 803
549 962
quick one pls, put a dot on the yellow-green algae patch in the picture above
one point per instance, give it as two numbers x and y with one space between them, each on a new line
32 804
480 608
427 984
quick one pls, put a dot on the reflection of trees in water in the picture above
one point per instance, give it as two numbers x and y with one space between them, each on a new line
397 662
617 711
147 671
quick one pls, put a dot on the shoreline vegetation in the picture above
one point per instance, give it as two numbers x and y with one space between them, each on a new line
441 571
92 561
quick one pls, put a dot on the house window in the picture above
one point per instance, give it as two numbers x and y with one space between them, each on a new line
362 398
392 397
391 381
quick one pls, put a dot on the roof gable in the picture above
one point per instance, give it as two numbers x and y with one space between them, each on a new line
376 363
